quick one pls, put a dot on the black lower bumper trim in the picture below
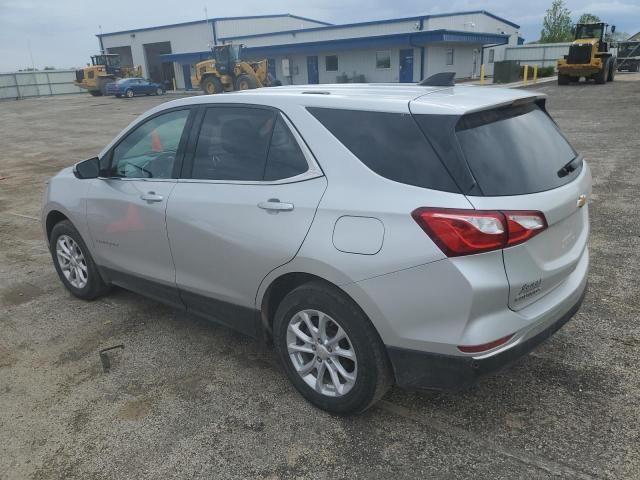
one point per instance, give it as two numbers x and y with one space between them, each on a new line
432 371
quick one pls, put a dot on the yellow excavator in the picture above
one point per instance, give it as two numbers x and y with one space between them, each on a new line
104 69
226 72
589 55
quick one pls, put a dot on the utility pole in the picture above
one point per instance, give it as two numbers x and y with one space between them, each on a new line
33 64
206 17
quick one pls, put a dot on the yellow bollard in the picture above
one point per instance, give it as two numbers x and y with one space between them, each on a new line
174 84
535 73
482 74
526 73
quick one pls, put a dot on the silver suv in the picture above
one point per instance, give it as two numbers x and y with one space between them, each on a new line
376 234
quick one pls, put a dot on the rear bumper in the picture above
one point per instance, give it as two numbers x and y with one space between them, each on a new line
432 371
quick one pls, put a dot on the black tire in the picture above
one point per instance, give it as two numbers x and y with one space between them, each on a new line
601 76
613 68
245 82
159 91
374 375
563 79
129 93
95 286
212 85
95 93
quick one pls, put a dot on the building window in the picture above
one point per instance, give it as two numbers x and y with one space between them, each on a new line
492 53
383 59
331 63
450 56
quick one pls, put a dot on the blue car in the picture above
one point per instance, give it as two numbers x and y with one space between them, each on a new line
130 87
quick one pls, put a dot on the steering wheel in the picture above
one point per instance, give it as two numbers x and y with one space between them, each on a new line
162 165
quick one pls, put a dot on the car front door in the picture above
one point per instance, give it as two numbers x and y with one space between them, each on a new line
126 206
146 87
246 202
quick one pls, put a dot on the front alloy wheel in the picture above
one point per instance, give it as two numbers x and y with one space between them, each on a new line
322 353
72 261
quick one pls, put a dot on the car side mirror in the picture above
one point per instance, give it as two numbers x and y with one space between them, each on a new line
87 168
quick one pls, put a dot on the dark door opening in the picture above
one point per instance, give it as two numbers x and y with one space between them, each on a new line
186 73
313 76
406 65
271 67
156 70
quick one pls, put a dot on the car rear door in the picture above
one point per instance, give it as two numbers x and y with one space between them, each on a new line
522 162
245 203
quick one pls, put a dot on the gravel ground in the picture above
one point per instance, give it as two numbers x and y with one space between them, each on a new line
189 399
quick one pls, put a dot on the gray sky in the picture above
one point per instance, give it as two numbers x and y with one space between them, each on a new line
61 33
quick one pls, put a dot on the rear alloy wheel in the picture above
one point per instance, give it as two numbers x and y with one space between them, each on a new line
330 350
128 93
322 353
159 91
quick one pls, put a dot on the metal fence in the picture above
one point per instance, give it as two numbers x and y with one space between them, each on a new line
34 84
543 55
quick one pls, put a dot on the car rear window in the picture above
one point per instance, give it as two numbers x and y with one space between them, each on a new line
516 151
390 144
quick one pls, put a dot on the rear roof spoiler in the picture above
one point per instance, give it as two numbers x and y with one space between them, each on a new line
442 79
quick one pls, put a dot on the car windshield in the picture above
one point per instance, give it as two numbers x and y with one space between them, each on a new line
589 30
122 81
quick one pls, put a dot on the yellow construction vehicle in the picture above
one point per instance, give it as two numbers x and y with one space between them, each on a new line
589 55
226 72
104 69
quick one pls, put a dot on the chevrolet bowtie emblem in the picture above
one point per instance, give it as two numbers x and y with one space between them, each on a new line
582 201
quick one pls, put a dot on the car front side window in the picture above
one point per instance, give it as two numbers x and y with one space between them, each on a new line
233 144
150 150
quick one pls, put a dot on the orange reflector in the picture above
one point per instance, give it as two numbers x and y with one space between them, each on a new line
485 346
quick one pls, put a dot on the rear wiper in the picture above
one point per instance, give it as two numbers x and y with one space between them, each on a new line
569 166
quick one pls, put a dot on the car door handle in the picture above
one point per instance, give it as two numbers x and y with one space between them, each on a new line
151 197
274 205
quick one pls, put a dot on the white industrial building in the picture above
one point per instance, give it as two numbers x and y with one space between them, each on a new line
302 50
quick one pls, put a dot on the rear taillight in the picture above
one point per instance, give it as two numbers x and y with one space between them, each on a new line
466 232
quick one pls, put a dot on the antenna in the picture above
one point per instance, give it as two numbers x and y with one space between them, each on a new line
206 18
442 79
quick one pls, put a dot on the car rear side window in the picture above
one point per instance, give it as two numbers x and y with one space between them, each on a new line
516 151
285 159
390 144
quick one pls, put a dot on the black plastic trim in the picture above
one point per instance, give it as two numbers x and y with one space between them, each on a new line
242 319
432 371
169 295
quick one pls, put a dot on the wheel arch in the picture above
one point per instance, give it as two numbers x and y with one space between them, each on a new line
276 286
53 217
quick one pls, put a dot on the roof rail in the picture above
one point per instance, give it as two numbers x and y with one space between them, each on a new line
442 79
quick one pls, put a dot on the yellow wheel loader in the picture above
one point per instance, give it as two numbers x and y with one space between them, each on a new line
104 69
589 55
226 72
